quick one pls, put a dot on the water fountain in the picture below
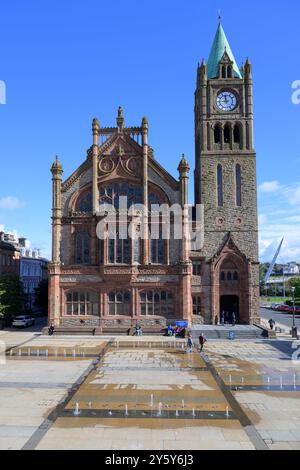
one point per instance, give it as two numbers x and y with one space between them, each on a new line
227 412
177 413
90 405
160 405
183 405
47 353
194 413
77 411
74 353
243 380
110 413
20 352
38 353
295 385
281 382
269 381
126 410
151 402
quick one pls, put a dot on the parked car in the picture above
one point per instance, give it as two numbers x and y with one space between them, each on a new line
282 308
275 306
291 310
23 321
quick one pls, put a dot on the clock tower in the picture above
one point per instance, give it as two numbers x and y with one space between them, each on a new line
225 183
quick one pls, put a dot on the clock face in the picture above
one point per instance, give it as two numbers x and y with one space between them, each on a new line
226 101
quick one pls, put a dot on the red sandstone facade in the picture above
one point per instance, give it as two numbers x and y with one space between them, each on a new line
120 283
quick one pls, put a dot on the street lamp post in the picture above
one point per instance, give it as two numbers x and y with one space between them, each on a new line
294 329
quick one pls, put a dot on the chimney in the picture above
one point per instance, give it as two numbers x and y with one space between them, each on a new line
22 242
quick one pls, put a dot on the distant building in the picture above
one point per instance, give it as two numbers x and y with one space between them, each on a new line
33 270
17 258
9 256
291 269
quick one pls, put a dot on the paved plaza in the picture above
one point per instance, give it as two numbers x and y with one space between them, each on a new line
129 394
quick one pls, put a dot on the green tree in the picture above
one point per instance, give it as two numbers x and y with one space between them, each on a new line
295 282
263 269
11 297
41 296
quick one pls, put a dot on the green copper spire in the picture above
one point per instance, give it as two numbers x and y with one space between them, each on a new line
219 47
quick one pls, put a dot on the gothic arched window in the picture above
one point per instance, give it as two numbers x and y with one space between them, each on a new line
222 276
217 134
82 255
119 303
227 134
238 185
224 72
157 251
237 134
119 250
236 276
85 203
81 303
111 193
157 303
229 71
220 185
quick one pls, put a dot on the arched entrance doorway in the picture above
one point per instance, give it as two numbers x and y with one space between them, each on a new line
231 291
230 304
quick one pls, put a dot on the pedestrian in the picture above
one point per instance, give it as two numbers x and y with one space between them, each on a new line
190 344
202 341
223 318
233 319
51 329
272 324
138 330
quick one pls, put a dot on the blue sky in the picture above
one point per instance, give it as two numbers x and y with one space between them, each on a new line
65 62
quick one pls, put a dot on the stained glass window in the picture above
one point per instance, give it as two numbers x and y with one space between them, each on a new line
85 203
157 251
220 185
82 255
110 194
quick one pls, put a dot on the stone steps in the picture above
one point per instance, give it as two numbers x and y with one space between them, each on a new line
217 333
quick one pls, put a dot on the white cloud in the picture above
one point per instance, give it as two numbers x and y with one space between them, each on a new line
11 203
269 187
294 195
280 218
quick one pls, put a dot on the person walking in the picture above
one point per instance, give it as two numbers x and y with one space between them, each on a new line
272 324
233 319
202 341
222 318
190 344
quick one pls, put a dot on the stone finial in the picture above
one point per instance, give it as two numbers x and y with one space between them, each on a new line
248 68
184 166
96 126
145 122
120 118
57 168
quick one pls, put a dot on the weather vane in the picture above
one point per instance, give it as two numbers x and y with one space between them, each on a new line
220 16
